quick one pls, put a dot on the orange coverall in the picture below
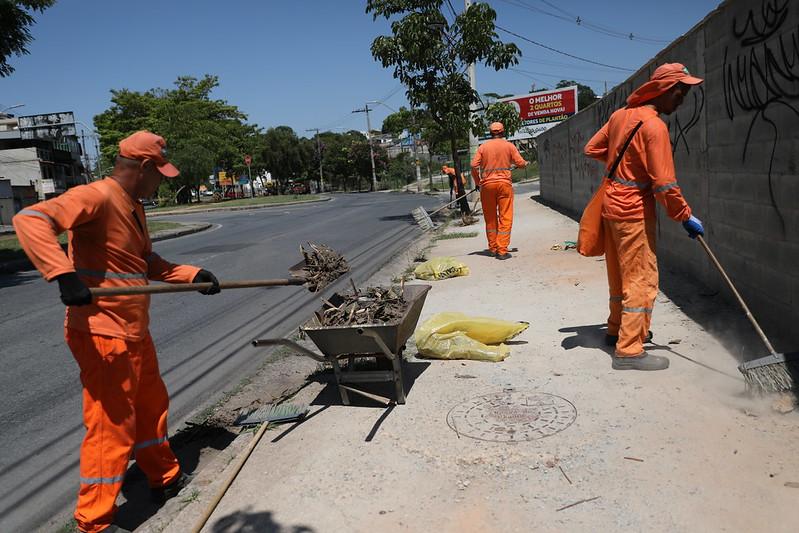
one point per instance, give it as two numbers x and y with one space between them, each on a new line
645 173
494 159
125 401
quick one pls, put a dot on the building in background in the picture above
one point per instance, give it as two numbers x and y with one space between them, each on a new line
40 157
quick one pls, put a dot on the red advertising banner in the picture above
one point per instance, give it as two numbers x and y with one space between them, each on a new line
543 110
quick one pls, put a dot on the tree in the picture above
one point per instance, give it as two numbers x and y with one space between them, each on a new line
505 113
585 94
15 35
284 155
433 70
201 133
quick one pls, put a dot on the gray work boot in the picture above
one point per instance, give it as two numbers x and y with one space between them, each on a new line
644 361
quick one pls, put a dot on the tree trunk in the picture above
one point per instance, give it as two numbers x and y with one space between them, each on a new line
463 203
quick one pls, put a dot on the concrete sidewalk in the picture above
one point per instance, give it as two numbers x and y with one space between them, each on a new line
676 450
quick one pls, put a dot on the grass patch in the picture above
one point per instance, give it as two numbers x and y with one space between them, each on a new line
455 235
529 172
10 249
258 200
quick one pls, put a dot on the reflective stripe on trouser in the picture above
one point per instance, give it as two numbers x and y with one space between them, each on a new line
124 410
632 274
497 200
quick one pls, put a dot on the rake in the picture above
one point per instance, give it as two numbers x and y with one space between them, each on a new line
423 218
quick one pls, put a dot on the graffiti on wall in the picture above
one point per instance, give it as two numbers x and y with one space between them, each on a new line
680 127
761 77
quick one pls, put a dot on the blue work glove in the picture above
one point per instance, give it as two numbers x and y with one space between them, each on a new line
73 290
203 276
694 227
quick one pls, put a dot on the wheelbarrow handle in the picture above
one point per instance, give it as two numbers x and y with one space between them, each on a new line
188 287
290 344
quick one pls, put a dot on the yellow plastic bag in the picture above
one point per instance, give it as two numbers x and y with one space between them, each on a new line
454 335
441 268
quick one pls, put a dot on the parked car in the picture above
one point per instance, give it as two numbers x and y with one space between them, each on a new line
149 202
299 188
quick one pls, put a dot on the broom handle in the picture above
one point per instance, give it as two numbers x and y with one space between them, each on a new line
188 287
452 202
749 314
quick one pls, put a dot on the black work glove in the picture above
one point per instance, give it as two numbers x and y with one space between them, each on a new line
73 290
203 276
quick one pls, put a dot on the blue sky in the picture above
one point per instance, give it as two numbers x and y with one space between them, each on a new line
306 63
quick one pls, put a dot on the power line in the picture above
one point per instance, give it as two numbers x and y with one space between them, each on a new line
583 23
562 52
561 76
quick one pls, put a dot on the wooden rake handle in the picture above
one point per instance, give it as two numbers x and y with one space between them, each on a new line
188 287
738 296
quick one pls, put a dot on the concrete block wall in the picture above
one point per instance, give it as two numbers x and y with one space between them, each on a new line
736 151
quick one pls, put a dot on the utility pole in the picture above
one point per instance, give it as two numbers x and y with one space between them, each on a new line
369 139
86 155
473 144
319 151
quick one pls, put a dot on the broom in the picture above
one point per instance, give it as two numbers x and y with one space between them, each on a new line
422 217
772 373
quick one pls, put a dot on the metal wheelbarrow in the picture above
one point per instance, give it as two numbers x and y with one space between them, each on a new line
381 341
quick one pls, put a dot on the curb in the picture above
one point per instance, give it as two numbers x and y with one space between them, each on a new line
235 208
10 267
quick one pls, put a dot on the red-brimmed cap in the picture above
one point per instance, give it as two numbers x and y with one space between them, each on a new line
496 127
146 145
663 79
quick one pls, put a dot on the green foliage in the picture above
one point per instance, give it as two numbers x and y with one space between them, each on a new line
585 94
284 155
201 133
430 55
501 112
15 23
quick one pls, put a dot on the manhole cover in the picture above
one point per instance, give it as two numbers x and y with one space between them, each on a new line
512 416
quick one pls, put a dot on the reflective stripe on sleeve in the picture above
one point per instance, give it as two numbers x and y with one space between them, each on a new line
110 275
148 443
629 183
35 213
666 187
102 480
647 310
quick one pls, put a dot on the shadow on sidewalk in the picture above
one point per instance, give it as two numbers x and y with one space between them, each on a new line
589 336
411 370
188 446
248 521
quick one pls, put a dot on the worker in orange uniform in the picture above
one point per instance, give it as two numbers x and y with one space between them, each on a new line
491 168
645 173
124 398
450 172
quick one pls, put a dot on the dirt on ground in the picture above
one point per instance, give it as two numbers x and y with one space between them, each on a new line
551 439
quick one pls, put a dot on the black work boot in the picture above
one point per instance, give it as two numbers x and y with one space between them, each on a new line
611 340
113 528
504 256
170 490
643 361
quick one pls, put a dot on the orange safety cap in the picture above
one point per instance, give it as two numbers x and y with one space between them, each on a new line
147 145
496 127
663 79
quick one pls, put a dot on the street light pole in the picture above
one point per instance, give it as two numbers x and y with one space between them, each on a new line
319 151
3 111
369 140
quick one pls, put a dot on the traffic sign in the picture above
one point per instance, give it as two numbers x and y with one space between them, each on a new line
247 160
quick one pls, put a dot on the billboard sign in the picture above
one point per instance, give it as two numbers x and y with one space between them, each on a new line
542 110
51 126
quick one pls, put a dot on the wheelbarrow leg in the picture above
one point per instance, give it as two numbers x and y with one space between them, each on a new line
398 381
345 399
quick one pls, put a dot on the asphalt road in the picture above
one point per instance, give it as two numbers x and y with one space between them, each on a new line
203 341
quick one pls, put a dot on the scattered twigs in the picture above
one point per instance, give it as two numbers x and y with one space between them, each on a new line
323 265
564 475
578 503
373 305
634 459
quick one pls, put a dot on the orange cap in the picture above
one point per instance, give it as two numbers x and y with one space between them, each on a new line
146 145
496 127
663 79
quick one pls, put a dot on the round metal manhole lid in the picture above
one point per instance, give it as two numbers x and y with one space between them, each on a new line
512 416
